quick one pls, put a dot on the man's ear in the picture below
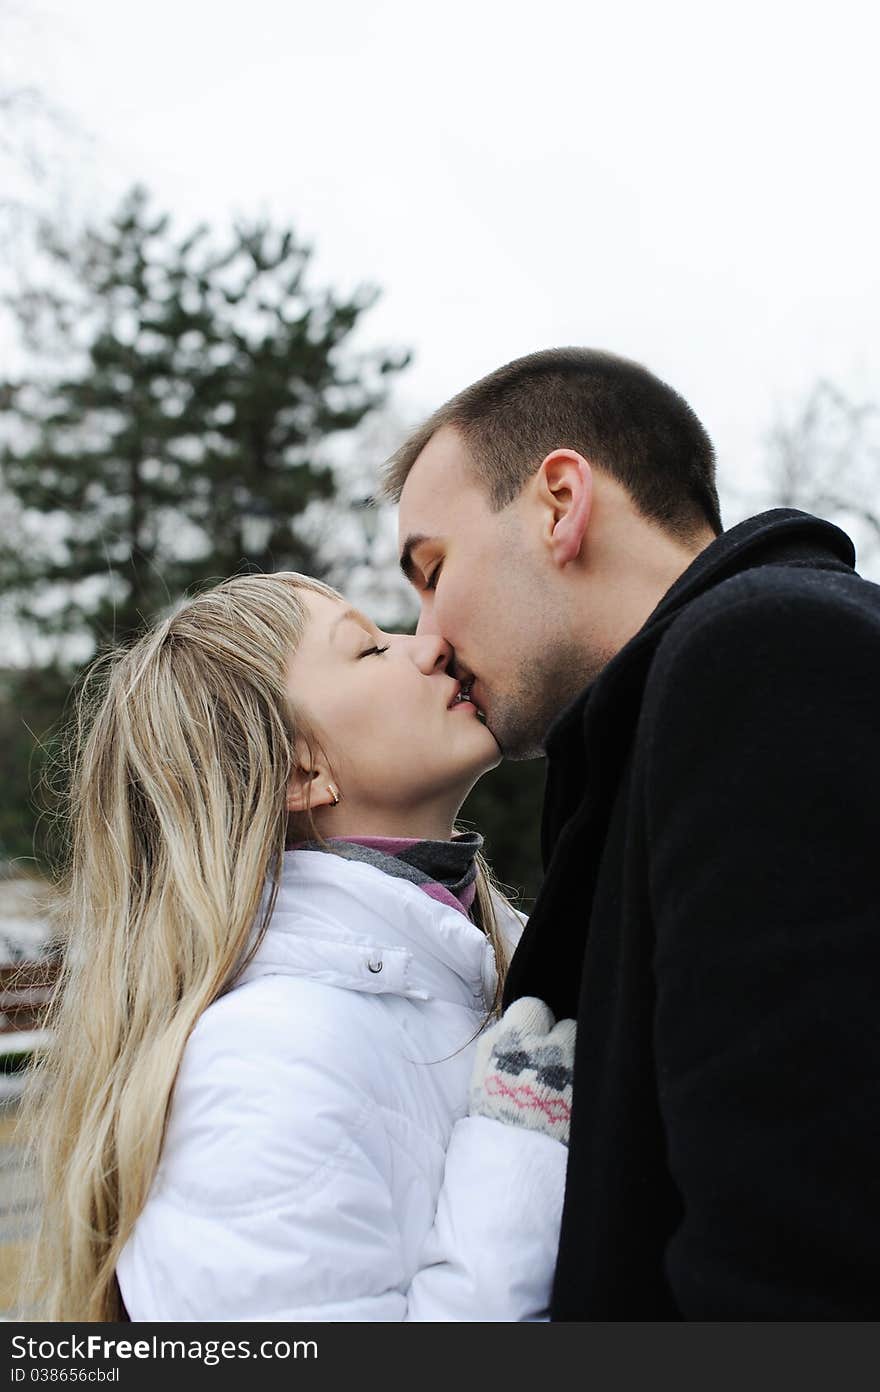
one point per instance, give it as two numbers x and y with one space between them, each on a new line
565 488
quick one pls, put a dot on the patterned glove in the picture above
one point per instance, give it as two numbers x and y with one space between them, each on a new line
523 1068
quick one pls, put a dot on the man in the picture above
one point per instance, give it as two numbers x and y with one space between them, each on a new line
709 705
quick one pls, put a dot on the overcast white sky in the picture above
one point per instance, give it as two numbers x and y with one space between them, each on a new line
693 185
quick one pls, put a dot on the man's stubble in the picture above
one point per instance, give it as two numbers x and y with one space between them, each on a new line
541 688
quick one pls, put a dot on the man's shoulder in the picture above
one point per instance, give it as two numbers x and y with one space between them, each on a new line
766 631
785 604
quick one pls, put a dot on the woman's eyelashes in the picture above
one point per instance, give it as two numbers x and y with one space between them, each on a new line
431 580
370 651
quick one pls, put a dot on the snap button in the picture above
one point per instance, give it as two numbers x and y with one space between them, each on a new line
375 966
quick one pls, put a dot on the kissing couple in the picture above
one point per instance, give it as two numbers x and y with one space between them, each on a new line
310 1064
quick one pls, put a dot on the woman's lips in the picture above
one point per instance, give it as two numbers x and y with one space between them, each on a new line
469 701
462 705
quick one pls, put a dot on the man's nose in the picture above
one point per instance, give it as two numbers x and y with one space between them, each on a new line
427 624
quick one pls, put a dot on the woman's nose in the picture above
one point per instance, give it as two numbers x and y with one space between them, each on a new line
431 653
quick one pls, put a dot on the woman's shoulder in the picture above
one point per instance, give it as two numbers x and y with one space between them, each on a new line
276 1074
275 1021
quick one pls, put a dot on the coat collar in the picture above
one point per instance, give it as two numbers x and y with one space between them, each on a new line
589 743
780 534
348 924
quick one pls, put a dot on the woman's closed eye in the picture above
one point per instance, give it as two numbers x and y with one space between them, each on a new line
370 651
431 580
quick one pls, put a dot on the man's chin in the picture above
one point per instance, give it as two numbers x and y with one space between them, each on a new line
516 745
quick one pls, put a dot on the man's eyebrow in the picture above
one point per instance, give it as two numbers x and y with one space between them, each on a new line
356 616
407 565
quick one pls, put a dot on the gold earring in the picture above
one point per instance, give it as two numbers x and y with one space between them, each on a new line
331 789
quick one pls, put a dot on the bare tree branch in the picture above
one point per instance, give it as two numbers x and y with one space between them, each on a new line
826 460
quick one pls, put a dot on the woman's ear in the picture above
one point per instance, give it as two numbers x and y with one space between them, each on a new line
565 484
310 789
311 784
300 790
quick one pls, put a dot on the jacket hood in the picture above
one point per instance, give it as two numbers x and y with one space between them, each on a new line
348 924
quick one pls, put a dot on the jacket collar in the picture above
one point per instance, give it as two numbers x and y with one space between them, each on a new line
348 924
782 534
589 743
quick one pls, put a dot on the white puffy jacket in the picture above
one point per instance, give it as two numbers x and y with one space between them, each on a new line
318 1162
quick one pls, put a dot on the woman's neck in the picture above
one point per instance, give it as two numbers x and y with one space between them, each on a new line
342 821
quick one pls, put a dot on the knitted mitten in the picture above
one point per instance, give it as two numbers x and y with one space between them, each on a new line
522 1069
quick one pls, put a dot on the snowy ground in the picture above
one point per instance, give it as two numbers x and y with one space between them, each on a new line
23 936
23 930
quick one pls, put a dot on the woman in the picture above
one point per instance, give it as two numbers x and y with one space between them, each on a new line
280 957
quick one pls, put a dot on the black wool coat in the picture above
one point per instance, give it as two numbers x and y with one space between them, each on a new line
711 917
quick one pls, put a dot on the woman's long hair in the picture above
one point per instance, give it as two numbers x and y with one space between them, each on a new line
183 747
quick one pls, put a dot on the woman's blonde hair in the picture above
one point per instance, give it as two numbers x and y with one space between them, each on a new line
183 746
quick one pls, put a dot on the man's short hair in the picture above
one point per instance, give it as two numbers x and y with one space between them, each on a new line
614 412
